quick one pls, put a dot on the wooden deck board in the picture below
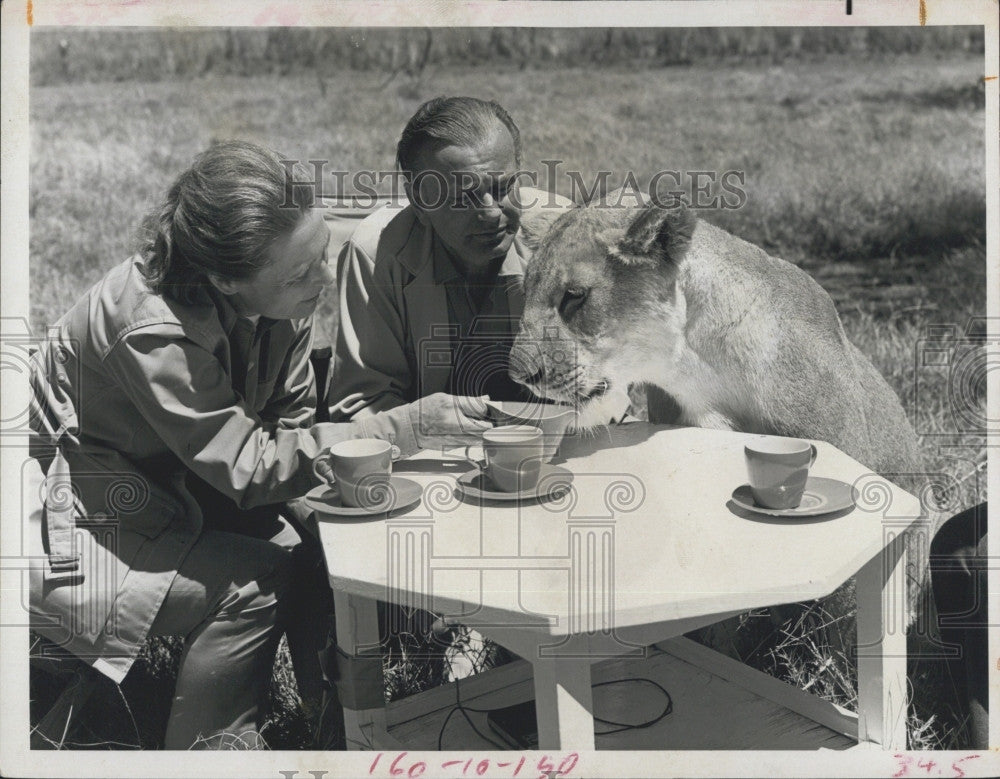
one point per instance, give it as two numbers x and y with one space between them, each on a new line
709 711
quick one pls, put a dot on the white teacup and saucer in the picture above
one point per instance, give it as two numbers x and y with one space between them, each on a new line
514 467
358 480
780 484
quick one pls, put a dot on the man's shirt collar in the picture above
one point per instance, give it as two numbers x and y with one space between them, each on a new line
446 270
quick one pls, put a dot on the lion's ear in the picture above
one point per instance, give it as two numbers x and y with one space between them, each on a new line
658 233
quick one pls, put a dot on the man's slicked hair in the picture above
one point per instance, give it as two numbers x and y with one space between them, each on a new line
451 121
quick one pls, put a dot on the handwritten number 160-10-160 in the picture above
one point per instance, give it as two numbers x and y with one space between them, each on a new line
545 766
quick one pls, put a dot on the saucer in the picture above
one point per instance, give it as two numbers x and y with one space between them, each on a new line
326 499
551 478
821 496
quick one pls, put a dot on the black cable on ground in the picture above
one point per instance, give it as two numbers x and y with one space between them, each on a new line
618 727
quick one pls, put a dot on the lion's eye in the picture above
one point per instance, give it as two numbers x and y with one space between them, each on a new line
571 302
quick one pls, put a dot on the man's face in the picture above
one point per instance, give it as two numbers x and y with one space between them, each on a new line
289 286
477 216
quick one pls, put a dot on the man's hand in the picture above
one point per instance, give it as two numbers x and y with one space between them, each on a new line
443 421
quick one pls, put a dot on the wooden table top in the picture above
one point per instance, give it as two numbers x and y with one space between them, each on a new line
648 534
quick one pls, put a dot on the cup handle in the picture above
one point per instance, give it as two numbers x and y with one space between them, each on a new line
814 453
322 469
480 464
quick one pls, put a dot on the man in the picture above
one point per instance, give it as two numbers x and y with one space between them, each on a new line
431 295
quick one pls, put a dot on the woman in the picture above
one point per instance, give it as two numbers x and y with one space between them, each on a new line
177 398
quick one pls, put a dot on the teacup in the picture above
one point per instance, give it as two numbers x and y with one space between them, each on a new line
778 469
514 455
553 419
359 468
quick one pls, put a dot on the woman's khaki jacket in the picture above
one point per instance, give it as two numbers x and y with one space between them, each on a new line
132 393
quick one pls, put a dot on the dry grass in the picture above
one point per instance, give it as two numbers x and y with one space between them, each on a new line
869 175
831 173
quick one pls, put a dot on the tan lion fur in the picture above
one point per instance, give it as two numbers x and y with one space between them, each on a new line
739 339
723 335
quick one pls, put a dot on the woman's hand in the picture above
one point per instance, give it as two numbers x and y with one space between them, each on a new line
443 421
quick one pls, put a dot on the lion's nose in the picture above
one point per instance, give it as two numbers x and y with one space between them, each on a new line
524 364
522 376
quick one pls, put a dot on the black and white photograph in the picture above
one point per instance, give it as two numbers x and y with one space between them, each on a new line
499 389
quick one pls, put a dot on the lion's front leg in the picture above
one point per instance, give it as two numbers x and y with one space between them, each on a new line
712 419
603 410
664 408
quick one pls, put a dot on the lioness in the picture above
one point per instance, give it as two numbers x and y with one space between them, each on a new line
739 339
736 338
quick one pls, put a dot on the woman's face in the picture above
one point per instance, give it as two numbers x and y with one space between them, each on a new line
289 286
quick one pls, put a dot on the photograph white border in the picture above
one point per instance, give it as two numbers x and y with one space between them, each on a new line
18 17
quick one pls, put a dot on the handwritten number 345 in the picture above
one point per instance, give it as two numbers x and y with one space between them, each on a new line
906 762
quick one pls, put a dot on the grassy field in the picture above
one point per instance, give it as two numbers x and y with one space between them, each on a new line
869 174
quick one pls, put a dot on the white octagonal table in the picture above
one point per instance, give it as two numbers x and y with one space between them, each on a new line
646 546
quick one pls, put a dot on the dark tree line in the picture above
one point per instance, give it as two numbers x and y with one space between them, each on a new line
74 55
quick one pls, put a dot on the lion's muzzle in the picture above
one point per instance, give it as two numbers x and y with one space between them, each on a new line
525 363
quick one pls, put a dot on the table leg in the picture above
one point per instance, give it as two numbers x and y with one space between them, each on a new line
882 602
357 630
564 703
